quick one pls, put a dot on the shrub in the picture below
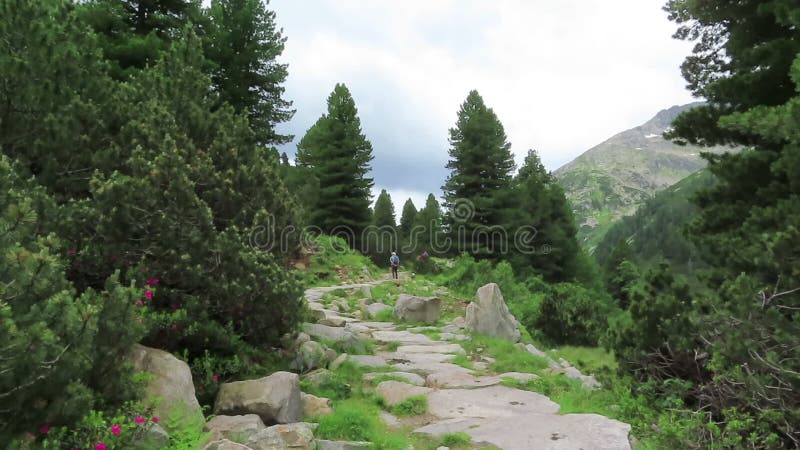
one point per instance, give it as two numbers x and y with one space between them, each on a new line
571 314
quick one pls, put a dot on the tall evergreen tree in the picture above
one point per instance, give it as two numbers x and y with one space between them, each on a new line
407 219
244 43
428 232
383 214
550 248
477 190
339 154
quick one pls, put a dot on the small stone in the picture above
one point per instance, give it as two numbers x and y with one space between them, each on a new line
314 406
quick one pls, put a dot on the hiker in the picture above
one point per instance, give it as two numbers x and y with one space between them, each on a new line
394 260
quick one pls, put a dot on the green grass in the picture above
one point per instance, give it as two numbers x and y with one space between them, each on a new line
587 359
392 346
463 361
508 358
384 316
332 259
412 406
456 440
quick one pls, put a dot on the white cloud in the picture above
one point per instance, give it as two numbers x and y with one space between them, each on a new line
562 75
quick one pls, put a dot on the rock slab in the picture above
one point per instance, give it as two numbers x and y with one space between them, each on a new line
298 436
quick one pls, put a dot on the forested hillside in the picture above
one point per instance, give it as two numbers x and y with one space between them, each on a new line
613 179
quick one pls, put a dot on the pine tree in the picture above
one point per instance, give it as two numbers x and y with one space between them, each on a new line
244 43
477 191
339 154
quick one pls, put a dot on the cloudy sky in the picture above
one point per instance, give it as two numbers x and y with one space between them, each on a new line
562 75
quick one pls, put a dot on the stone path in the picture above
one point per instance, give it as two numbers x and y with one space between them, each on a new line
458 399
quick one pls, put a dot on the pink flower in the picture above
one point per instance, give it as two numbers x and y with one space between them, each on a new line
72 252
154 419
116 430
152 281
215 377
139 420
139 303
148 295
44 429
100 446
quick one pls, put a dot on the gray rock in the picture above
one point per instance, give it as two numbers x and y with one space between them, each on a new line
394 392
298 436
489 315
438 348
389 419
459 322
338 361
234 428
376 308
530 348
318 377
314 406
403 338
224 444
170 383
368 360
310 355
334 334
410 378
417 309
366 292
333 321
519 376
301 339
341 445
459 380
276 398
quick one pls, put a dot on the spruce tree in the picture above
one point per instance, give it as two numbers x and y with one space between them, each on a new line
428 232
477 191
338 154
244 42
407 219
383 214
543 225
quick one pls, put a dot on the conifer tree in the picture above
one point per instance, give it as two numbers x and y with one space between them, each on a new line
427 235
339 154
243 42
551 250
477 191
383 214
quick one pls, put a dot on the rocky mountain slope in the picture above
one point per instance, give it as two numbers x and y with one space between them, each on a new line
612 179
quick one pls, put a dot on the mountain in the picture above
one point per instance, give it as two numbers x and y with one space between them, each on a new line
614 178
657 231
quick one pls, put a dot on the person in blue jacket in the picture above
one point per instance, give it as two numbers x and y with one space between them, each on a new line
394 260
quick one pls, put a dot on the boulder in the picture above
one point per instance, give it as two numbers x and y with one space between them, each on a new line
489 315
276 398
411 308
310 355
318 377
170 384
334 334
234 428
376 308
299 436
314 406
